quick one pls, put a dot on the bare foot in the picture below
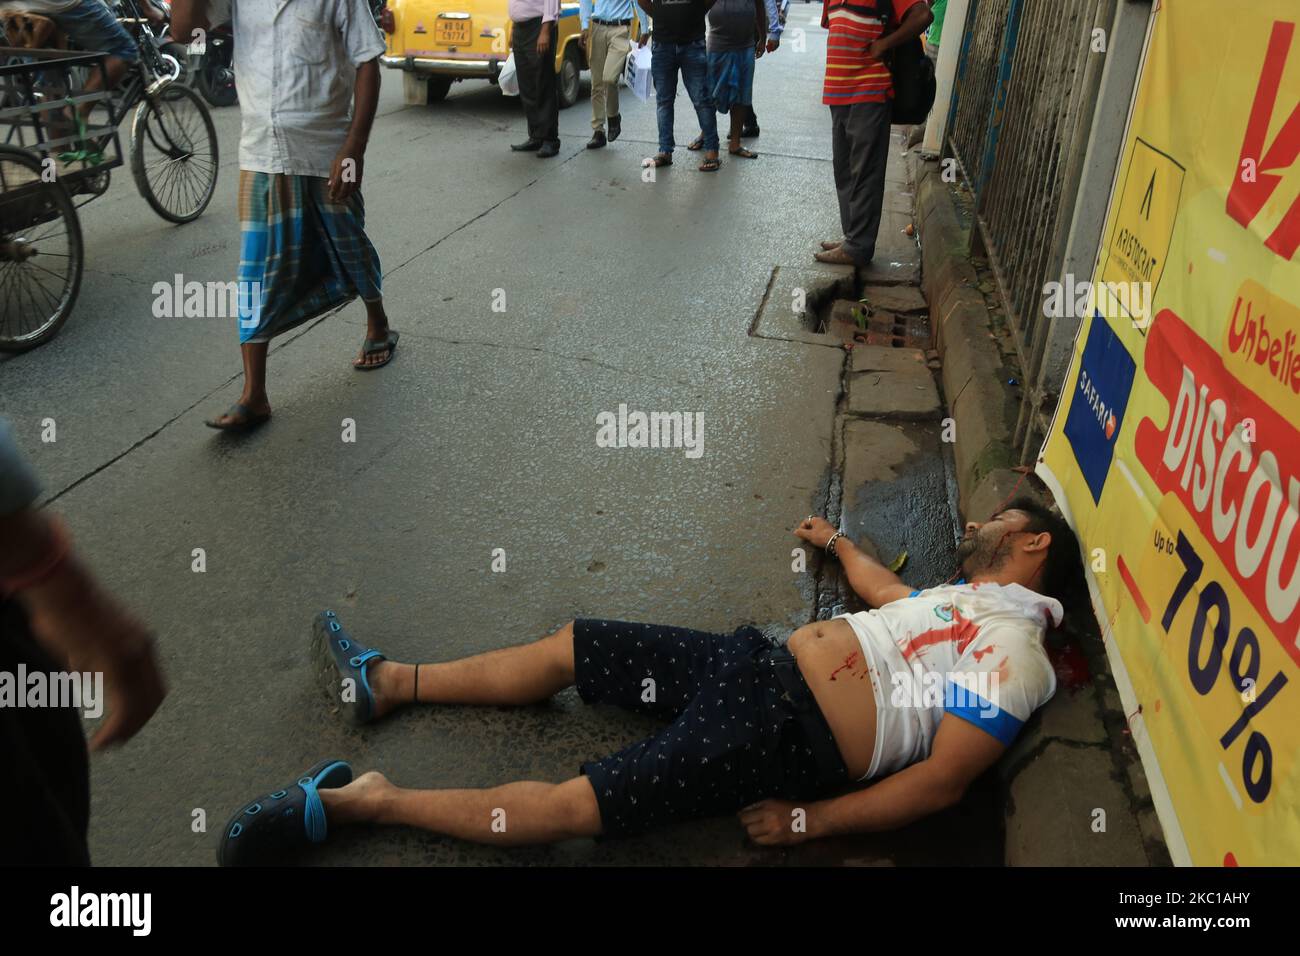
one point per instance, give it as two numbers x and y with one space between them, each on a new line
391 685
377 349
835 257
361 800
373 358
243 415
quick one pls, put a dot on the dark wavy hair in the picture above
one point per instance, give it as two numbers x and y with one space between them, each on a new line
1063 569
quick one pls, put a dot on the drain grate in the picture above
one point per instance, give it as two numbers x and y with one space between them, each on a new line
877 328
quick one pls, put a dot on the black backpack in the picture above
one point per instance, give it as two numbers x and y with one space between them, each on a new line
912 73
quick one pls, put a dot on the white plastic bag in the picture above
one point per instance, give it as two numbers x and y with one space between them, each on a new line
637 73
508 79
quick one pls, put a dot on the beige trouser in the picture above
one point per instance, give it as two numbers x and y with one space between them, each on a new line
608 50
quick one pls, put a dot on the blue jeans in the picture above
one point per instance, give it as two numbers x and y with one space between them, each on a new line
94 27
692 59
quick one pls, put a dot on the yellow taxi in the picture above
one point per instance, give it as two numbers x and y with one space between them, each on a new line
438 42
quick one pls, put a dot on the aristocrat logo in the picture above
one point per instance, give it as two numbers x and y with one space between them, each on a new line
1097 411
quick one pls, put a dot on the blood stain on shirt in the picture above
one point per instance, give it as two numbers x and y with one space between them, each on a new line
961 631
1004 671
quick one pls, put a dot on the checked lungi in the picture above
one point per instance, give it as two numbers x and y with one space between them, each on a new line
300 254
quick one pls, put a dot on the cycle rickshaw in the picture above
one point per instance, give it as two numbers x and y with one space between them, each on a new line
58 146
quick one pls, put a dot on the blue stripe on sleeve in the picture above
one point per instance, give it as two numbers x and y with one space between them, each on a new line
974 709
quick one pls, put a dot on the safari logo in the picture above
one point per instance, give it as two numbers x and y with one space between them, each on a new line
1097 407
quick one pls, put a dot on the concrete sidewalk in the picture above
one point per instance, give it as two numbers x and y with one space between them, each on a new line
481 435
1072 786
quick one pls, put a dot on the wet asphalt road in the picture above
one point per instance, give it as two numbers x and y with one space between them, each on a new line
481 435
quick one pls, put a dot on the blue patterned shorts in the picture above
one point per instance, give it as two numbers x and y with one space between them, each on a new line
744 725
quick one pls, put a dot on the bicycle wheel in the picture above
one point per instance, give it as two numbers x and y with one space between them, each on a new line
174 153
40 253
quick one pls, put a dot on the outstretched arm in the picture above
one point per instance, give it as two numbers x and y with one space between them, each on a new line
961 752
68 612
870 580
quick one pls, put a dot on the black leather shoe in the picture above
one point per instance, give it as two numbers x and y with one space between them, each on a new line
597 139
528 146
548 150
615 127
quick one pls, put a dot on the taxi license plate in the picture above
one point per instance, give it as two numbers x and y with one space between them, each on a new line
452 32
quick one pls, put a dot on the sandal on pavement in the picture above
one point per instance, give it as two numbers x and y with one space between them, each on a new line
373 347
711 165
282 822
339 658
743 152
242 419
658 159
696 145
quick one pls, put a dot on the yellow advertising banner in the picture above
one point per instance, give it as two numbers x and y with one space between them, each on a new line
1175 449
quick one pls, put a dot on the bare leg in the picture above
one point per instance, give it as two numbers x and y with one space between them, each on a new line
524 674
741 116
254 394
376 331
115 67
510 815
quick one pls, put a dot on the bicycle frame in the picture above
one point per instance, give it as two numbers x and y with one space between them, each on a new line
35 85
149 73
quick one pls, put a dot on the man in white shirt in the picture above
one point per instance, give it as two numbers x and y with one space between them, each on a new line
308 87
532 40
919 696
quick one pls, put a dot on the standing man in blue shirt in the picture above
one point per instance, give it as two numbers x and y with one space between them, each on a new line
606 40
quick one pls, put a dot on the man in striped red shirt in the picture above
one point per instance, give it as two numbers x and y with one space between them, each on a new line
858 89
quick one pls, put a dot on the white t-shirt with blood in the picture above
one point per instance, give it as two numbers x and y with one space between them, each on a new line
971 650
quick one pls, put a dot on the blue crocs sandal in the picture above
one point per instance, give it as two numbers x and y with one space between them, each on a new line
283 822
339 657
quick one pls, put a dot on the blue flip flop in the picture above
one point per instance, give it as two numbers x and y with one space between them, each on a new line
283 822
340 658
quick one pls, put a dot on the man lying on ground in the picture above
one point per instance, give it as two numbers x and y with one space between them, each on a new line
771 732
